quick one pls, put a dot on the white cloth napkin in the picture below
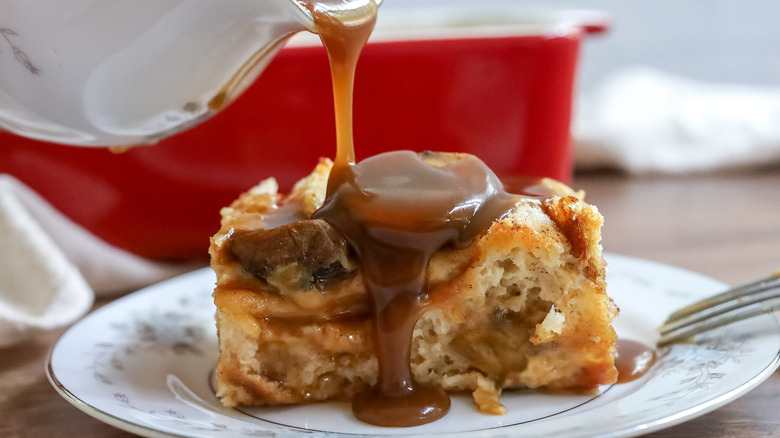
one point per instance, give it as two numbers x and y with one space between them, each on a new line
642 120
51 268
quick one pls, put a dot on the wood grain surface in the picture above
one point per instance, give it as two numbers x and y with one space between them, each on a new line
725 226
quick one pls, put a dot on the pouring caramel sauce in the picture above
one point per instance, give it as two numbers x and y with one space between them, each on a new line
395 210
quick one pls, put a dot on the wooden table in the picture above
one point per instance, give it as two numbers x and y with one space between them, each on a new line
726 227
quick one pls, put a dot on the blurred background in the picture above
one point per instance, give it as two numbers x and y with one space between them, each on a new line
708 40
674 86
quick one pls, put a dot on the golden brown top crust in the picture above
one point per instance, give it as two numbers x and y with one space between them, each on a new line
253 210
574 221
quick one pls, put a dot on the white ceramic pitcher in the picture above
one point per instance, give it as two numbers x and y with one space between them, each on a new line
125 72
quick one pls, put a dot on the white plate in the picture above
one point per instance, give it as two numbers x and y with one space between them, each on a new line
144 363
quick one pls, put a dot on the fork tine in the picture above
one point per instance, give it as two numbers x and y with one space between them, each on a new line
736 293
688 331
752 299
728 301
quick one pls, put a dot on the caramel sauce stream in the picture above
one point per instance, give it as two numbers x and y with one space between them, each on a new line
396 399
396 209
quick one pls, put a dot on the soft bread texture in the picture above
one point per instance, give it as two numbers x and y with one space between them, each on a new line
525 306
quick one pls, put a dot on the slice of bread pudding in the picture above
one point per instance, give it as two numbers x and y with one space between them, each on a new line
523 306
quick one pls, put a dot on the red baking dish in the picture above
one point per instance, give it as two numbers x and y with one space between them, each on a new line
502 91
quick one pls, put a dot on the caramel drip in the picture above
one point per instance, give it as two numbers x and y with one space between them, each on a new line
396 210
633 360
396 400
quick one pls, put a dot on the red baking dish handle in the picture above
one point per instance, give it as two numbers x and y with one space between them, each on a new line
590 21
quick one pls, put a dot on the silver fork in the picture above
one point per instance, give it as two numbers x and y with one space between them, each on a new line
742 302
